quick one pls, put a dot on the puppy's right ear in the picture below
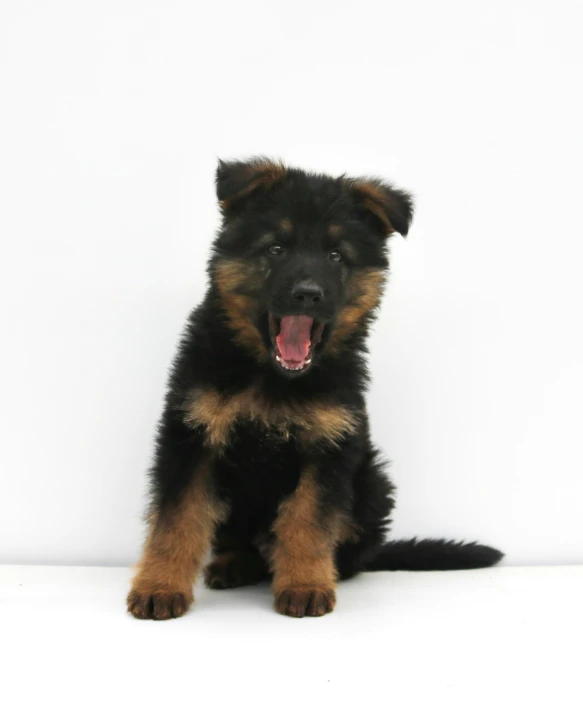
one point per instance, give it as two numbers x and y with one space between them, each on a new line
236 180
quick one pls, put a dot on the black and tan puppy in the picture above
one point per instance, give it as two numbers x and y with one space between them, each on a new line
263 451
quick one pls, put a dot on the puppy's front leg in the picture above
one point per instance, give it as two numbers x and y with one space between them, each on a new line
184 517
304 573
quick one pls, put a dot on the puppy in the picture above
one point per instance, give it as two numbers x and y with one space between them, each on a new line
263 451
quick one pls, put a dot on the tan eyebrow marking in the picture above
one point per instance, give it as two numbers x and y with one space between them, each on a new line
335 230
286 226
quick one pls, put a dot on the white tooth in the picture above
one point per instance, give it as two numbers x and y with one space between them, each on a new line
278 358
308 361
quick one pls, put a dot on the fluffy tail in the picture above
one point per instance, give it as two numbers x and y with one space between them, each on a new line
433 554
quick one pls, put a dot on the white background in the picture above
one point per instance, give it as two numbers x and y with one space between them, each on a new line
501 634
112 116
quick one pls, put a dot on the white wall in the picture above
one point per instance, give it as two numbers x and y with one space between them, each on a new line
112 116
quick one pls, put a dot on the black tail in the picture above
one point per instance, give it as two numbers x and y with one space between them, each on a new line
433 554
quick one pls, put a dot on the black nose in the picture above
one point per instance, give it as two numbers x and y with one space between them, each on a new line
307 292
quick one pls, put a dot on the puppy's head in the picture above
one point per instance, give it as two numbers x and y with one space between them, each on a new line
300 260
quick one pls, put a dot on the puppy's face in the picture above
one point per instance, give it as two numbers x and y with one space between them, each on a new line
300 260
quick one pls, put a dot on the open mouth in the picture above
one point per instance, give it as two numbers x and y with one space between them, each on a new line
294 339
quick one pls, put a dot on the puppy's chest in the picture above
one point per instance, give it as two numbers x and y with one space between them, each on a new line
251 414
259 449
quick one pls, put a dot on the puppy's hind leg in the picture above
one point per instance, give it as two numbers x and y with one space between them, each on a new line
236 568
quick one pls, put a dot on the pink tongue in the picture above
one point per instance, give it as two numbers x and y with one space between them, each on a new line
293 340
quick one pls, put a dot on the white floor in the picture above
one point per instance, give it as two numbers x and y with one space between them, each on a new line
504 634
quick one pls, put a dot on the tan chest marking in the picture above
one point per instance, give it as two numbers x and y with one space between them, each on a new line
309 421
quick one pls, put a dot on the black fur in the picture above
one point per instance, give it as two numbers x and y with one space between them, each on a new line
433 554
265 205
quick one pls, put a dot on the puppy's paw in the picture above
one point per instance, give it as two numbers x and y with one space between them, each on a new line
158 605
235 569
305 601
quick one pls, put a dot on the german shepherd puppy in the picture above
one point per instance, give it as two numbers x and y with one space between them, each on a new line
263 451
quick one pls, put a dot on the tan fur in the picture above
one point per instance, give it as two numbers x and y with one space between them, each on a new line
335 230
348 531
364 295
286 226
177 543
302 558
232 275
233 278
258 173
313 421
375 199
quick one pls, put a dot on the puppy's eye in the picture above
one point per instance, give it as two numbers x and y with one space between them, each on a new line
335 255
275 250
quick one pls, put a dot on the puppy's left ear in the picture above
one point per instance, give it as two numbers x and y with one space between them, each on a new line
237 180
391 208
